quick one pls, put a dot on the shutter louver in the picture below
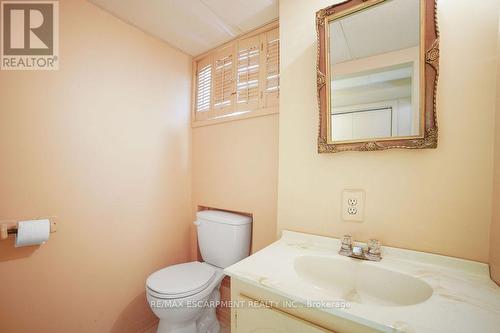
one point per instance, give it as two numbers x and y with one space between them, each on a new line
203 90
247 89
272 89
223 82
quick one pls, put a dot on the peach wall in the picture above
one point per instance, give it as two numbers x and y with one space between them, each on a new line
430 200
235 167
104 144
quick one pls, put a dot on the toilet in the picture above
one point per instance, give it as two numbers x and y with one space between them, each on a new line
185 296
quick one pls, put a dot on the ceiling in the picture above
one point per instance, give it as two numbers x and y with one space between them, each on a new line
193 26
391 26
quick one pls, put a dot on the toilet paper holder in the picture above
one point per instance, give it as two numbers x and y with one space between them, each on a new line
10 228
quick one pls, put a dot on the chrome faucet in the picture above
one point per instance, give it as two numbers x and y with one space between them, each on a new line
372 252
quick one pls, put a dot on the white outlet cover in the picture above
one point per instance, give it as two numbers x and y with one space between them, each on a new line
353 205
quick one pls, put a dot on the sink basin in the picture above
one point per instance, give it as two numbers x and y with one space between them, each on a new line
361 282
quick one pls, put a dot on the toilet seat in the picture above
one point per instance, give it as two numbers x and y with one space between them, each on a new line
179 281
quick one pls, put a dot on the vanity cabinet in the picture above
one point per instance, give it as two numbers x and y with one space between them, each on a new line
300 283
257 310
257 317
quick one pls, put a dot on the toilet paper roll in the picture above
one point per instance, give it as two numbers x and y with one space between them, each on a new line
33 232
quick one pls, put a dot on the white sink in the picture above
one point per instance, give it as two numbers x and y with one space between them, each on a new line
361 282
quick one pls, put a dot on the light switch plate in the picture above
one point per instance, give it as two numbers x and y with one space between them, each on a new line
353 205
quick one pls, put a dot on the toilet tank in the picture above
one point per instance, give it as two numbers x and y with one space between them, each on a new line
223 238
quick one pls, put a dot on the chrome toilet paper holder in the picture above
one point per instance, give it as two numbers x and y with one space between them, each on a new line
10 228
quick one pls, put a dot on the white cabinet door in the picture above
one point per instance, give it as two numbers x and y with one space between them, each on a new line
260 319
372 124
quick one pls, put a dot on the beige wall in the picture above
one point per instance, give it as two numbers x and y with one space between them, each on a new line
235 167
430 200
103 144
495 223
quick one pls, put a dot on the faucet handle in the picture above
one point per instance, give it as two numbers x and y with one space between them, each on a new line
346 247
374 250
347 241
374 246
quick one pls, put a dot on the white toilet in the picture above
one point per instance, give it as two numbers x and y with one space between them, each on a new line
185 296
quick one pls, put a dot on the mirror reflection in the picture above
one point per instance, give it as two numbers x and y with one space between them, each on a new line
375 72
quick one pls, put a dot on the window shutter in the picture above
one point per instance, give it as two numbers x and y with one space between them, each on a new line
247 88
203 89
240 77
223 82
272 61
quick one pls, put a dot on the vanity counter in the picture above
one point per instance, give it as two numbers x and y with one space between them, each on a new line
464 298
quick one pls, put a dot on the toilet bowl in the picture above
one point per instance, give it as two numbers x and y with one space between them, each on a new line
185 296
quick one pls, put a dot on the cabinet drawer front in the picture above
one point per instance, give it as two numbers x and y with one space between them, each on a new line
255 317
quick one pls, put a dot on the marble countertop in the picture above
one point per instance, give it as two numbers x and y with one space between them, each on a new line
464 298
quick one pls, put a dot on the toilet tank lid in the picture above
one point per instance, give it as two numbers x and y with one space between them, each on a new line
223 217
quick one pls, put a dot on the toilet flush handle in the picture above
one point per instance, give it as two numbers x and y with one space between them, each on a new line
197 223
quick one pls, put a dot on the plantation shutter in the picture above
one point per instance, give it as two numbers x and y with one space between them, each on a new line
248 75
241 77
203 104
223 82
272 72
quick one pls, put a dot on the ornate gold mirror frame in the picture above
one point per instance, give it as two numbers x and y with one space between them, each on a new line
429 44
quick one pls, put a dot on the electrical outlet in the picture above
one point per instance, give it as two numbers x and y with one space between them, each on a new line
353 205
352 211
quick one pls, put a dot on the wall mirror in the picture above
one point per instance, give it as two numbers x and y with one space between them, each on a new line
377 71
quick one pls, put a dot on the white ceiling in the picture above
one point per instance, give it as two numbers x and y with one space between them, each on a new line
194 26
391 26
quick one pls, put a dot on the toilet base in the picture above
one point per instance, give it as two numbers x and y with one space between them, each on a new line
164 327
206 323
